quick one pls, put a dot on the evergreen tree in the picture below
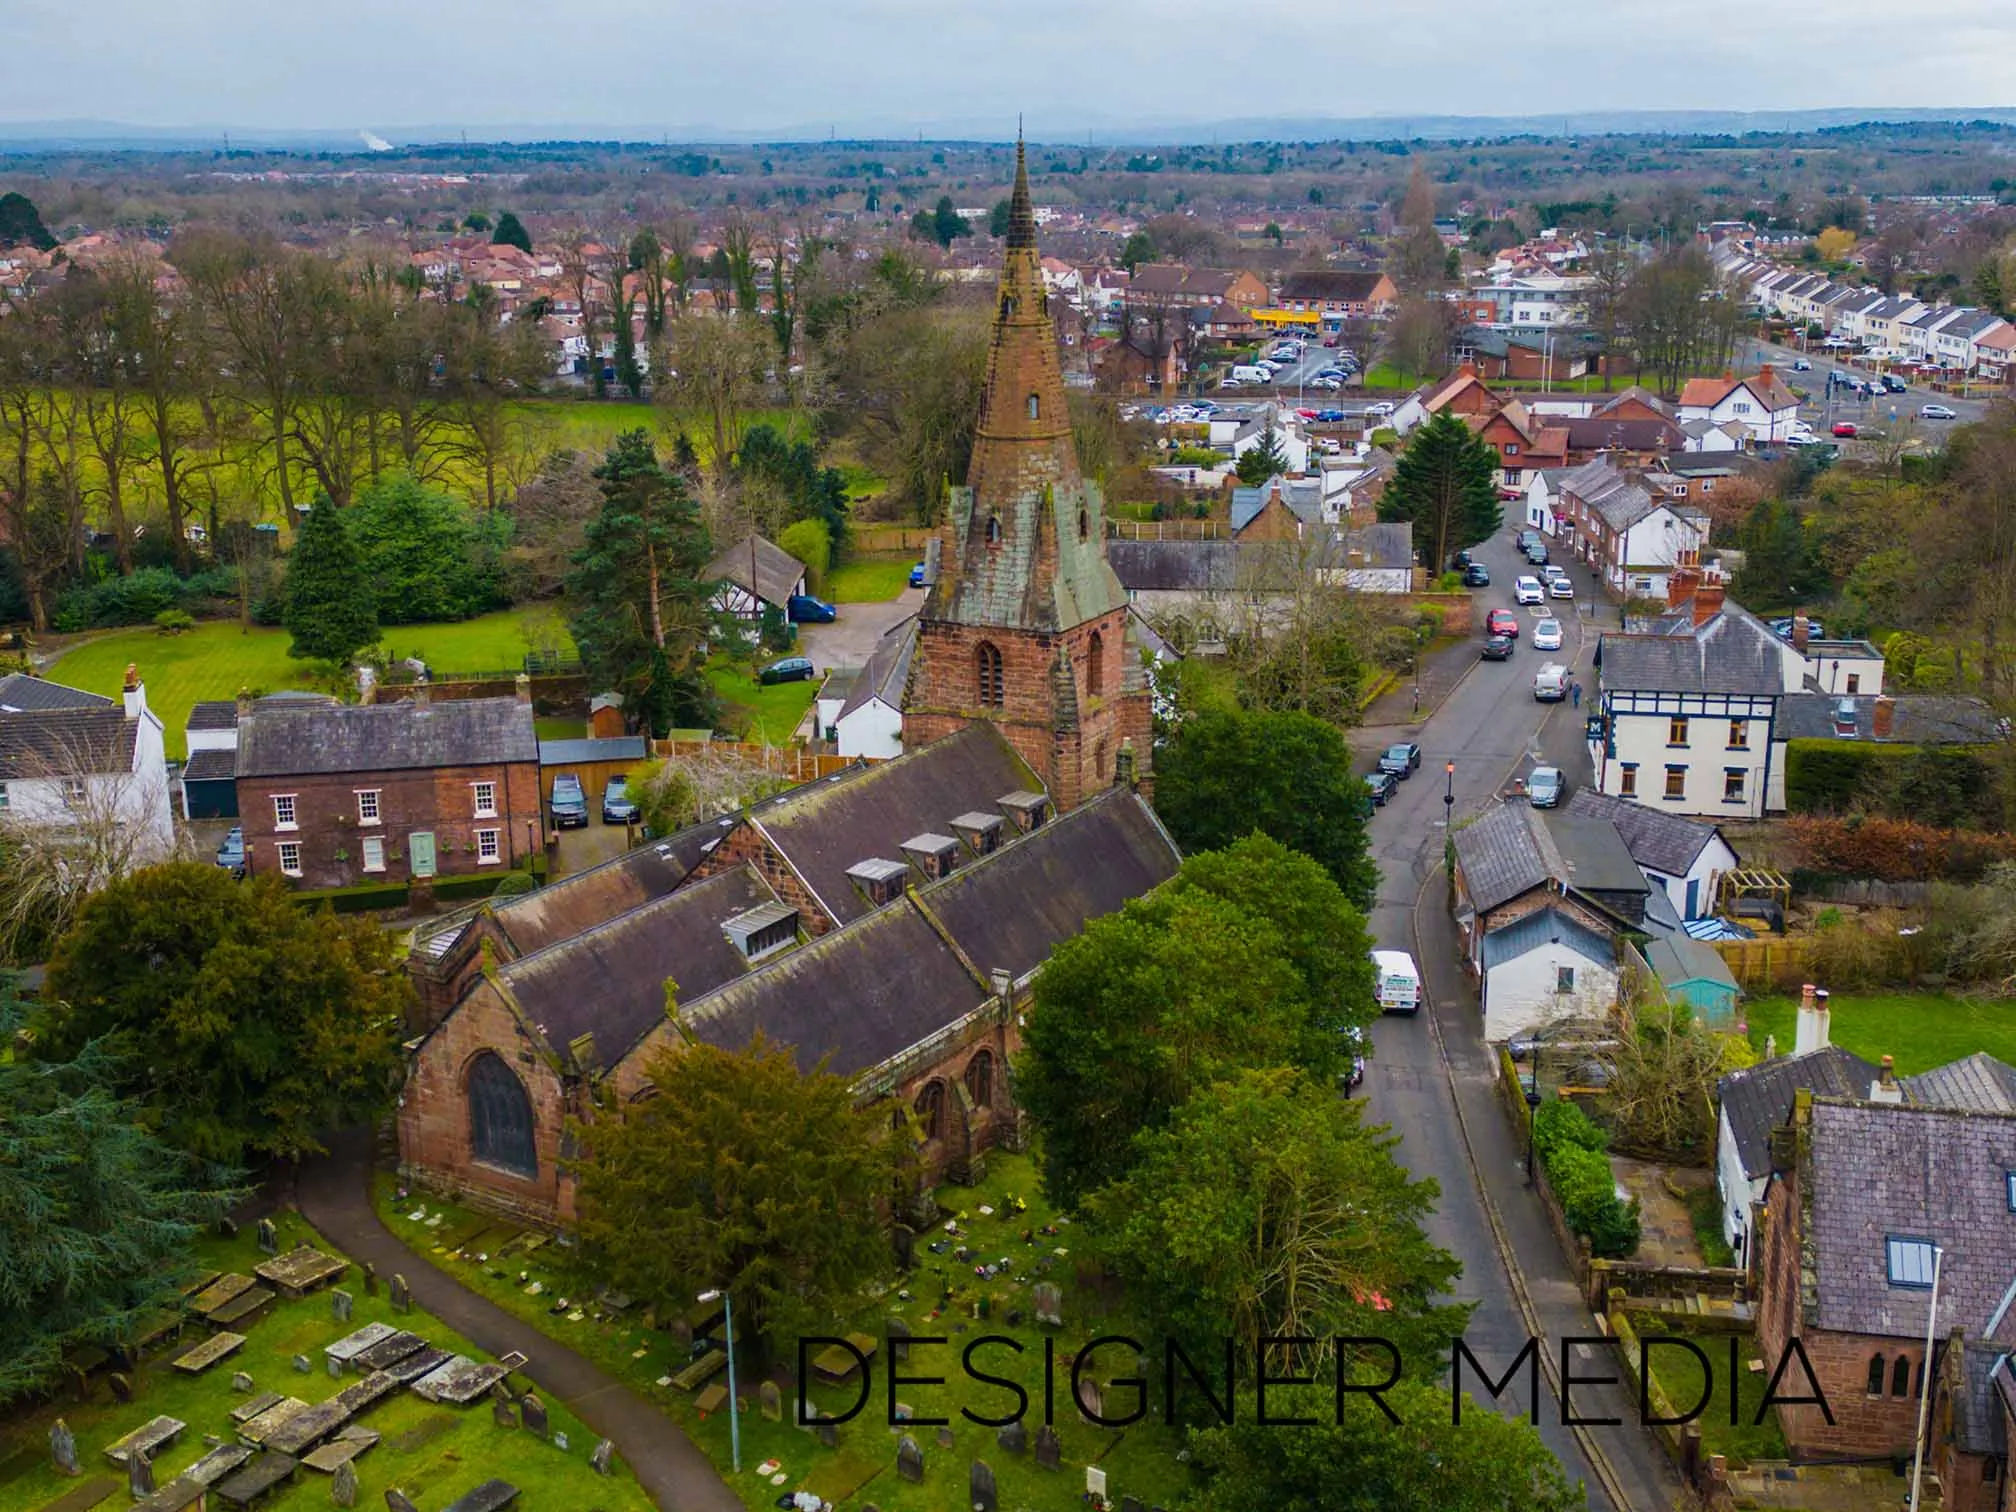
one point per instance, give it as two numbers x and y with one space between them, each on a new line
1445 485
997 220
1267 460
511 232
21 222
327 612
96 1213
1780 569
637 601
425 555
1140 248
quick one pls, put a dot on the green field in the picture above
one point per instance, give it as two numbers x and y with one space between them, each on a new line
1140 1461
431 1452
216 659
1919 1030
869 579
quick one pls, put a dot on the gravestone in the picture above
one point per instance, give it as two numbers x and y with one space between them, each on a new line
502 1413
899 1339
560 1441
402 1294
335 1367
533 1411
122 1386
1047 1297
980 1487
905 1238
243 1382
343 1486
228 1227
909 1460
341 1304
1091 1400
604 1457
303 1364
772 1400
945 1439
1013 1437
370 1279
269 1237
1131 1504
828 1434
397 1501
139 1474
63 1448
1049 1448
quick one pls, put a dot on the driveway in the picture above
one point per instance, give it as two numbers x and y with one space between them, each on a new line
850 640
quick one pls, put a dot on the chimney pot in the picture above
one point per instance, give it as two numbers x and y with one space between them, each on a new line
1883 716
132 676
1802 631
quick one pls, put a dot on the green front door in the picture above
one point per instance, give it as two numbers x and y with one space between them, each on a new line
420 851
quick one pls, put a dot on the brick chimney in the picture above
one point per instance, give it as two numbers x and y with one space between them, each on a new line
1883 716
244 703
1813 1021
523 687
1765 375
135 692
1885 1088
1707 601
1802 631
1681 583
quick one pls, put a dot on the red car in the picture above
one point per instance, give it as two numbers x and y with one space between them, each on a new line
1502 622
1845 429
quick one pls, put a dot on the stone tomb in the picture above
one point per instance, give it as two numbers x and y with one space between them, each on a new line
178 1495
149 1438
245 1309
388 1352
217 1464
257 1479
220 1291
459 1382
347 1348
252 1407
300 1271
423 1363
488 1497
255 1431
324 1418
219 1346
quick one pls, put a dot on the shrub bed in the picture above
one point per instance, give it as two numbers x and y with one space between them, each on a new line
1572 1150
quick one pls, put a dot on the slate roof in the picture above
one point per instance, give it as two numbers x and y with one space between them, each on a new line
214 714
1501 856
210 766
1615 495
1876 1170
314 740
1175 566
1663 842
824 827
1303 496
888 669
535 920
1723 656
609 748
777 572
19 692
1349 285
1598 434
1593 855
1977 1412
1977 1083
1917 719
1758 1099
66 741
609 981
1676 960
1546 926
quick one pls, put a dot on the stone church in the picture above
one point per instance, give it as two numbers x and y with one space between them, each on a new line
885 921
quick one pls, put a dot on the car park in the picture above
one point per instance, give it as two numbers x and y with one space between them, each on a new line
1498 648
790 669
1502 622
617 805
1562 587
1547 635
1527 590
1937 412
804 609
1543 787
1380 786
568 803
231 854
1401 760
1476 575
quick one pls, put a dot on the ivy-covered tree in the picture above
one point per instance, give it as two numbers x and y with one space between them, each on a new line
328 612
96 1213
245 1026
511 232
637 601
1446 486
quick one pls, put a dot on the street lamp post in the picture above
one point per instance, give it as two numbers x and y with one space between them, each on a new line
1449 795
734 1421
1532 1108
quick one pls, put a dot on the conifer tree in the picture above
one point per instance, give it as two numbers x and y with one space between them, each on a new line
1446 486
511 232
329 613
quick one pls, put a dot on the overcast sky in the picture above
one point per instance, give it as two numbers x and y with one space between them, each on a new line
673 66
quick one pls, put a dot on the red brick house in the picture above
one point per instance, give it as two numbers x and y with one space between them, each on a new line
1522 440
1172 286
331 795
1862 1197
1338 293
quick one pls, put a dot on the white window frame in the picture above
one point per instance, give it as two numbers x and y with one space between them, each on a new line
489 847
367 845
74 791
288 817
483 810
281 849
370 806
1908 1261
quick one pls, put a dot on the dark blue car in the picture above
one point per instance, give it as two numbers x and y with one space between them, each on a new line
804 609
917 575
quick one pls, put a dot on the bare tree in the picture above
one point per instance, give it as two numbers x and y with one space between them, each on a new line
715 378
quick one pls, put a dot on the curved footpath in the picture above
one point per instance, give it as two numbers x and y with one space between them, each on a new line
334 1194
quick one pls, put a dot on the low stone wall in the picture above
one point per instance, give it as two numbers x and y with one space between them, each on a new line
794 764
1644 1282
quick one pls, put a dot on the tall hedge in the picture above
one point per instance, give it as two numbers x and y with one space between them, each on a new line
1571 1150
1946 786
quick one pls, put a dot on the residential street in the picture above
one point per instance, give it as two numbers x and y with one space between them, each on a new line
1492 729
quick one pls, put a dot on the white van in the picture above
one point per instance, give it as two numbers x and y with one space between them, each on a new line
1399 981
1248 372
1550 683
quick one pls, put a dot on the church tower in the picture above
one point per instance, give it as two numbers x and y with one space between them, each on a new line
1025 625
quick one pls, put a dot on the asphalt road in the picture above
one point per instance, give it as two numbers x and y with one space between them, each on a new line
1492 730
1889 410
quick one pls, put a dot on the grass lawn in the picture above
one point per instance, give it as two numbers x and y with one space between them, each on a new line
769 714
1384 375
1920 1030
1140 1461
218 658
1679 1375
560 729
869 579
433 1453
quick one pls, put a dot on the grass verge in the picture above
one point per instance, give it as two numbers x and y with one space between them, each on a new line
869 579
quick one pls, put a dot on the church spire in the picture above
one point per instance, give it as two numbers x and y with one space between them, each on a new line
1021 213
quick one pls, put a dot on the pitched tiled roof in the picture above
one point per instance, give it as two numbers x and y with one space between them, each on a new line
210 766
1977 1409
1656 839
1978 1083
1501 856
535 920
1878 1171
214 714
1721 657
888 669
1916 718
288 742
1599 434
1546 926
777 572
19 691
1758 1098
1594 858
1349 285
67 741
1677 959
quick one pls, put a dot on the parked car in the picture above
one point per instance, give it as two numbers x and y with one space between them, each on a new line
1547 635
1550 683
569 804
1354 1040
1845 429
1801 365
917 575
1502 622
1379 786
1892 384
790 669
617 807
1401 760
1937 412
1382 409
1562 587
1462 559
231 854
1527 538
804 609
1527 590
1477 575
1536 554
1543 787
1498 648
1399 981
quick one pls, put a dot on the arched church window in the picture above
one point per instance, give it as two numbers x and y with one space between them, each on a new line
930 1109
993 530
980 1079
1095 665
500 1117
987 664
1084 524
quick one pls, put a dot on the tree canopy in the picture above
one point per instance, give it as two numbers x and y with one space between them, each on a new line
1267 460
742 1172
943 224
424 554
1446 486
1222 775
244 1026
21 222
511 232
327 612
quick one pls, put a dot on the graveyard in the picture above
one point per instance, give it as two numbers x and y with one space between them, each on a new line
291 1380
918 1466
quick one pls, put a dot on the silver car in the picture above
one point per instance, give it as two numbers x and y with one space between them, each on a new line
1543 788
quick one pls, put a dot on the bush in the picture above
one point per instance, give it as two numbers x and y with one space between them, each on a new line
1944 786
173 622
139 598
1571 1150
812 544
1896 850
